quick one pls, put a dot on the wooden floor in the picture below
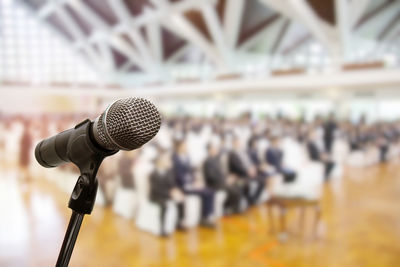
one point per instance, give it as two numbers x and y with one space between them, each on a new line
360 227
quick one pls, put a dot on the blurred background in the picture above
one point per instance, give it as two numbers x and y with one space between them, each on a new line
279 144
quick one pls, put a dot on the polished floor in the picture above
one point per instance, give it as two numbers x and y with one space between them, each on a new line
360 227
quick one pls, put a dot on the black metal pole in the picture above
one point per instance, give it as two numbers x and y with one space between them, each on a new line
69 239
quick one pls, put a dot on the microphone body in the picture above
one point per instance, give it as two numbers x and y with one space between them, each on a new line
61 148
52 152
126 124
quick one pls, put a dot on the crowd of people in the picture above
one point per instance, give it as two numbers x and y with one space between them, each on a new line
200 156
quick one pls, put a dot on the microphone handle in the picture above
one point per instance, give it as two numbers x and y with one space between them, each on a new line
52 151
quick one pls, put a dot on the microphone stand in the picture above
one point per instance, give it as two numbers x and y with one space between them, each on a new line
70 239
84 153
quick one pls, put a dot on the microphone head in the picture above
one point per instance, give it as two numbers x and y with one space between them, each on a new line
127 124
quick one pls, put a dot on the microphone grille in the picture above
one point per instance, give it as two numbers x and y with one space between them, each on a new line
128 124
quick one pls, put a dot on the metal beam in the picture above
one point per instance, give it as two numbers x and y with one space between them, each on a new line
76 31
215 28
105 51
343 24
89 15
393 34
102 32
300 11
357 9
153 30
320 30
178 54
49 7
395 21
280 36
125 48
179 25
246 42
373 13
232 21
121 10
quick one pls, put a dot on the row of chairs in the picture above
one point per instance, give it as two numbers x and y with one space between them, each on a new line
134 204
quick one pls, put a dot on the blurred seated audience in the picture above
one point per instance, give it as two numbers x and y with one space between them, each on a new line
242 167
216 179
163 188
329 129
106 178
274 157
315 154
242 172
191 184
125 168
262 167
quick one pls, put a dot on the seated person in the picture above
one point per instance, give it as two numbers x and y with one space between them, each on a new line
190 185
316 155
106 179
274 157
262 167
163 187
240 165
216 179
125 165
384 140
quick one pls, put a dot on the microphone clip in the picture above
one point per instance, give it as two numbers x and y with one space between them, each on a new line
83 152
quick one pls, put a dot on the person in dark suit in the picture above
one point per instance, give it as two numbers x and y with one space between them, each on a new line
329 133
316 155
384 139
163 188
187 182
274 157
240 165
216 179
261 166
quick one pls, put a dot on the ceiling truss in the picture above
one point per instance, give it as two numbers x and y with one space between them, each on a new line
142 47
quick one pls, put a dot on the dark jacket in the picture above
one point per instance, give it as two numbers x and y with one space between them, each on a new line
253 155
183 171
213 173
236 165
161 185
313 151
329 130
274 157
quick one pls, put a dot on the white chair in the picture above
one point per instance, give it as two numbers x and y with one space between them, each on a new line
148 217
308 183
66 180
394 151
339 154
192 211
125 202
304 192
294 155
356 159
340 151
372 156
100 199
196 149
220 198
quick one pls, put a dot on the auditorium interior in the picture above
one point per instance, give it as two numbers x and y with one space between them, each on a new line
279 143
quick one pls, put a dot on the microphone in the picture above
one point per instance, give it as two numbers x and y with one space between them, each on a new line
126 124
